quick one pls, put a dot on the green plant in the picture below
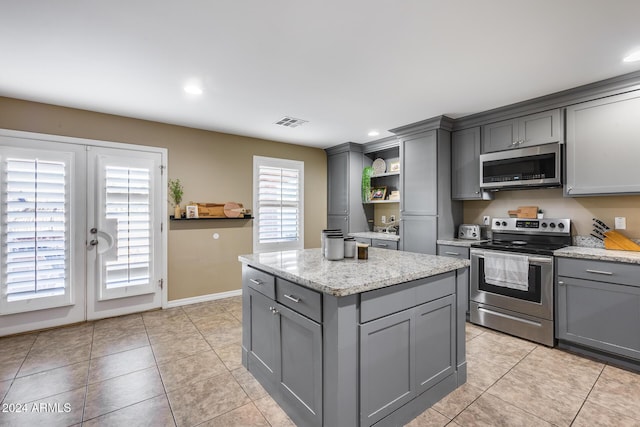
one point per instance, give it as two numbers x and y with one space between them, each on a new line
366 183
176 191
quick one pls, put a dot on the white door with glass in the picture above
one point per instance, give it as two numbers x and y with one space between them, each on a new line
80 231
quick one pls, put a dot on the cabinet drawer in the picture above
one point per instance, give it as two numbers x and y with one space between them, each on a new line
453 251
363 240
298 298
259 280
392 299
602 271
384 244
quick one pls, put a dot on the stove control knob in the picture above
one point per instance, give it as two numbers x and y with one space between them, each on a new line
552 225
504 223
561 226
544 225
474 234
497 223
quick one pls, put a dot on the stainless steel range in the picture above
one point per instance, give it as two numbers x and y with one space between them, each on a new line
511 284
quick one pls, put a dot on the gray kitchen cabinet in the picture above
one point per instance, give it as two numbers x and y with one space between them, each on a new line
465 166
535 129
419 181
426 207
461 253
345 210
384 244
419 234
598 306
284 347
602 146
402 355
363 240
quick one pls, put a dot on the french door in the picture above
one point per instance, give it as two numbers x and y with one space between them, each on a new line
80 230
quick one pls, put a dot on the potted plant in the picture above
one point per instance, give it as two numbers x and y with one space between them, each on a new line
176 191
367 172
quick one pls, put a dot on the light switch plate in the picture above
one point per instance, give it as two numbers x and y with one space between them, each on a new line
383 219
620 223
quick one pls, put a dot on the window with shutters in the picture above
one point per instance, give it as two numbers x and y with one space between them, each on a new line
35 230
278 204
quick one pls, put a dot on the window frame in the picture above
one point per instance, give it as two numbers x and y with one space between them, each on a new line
260 161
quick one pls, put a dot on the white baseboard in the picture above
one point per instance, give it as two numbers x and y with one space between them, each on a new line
202 298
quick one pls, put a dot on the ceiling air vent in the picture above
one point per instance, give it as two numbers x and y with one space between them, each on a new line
290 122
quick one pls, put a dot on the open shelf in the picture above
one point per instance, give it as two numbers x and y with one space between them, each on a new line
380 202
172 218
385 174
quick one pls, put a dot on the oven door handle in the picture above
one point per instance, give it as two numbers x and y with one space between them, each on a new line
532 259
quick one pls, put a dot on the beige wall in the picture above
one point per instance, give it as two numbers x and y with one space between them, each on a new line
213 167
580 209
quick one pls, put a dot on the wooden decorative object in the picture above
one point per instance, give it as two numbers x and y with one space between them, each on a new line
619 242
233 210
525 212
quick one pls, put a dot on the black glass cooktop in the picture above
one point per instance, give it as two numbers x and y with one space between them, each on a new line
520 246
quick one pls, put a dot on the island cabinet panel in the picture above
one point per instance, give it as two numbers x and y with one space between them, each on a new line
405 354
602 146
299 374
303 300
598 306
262 339
259 281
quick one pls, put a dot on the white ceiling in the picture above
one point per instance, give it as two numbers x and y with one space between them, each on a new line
346 66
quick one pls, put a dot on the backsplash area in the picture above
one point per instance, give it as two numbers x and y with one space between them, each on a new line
581 210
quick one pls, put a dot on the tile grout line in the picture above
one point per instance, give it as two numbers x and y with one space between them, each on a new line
86 385
588 394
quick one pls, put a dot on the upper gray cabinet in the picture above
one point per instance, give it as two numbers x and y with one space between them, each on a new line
338 183
419 180
603 146
534 129
465 166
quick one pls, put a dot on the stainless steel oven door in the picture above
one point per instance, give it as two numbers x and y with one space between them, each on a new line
537 301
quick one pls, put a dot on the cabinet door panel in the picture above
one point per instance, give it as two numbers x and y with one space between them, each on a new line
465 161
600 315
386 366
499 136
338 183
540 128
419 183
338 222
300 370
434 345
262 350
602 146
419 234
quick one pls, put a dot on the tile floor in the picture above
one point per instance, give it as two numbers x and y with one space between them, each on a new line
182 367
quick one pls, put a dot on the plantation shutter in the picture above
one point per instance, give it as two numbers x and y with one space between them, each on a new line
279 207
35 230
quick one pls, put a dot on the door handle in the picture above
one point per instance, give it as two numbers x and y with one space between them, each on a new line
94 242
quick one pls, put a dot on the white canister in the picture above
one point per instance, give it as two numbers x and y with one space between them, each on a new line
323 239
335 247
349 247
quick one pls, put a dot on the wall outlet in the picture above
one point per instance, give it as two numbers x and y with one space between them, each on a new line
620 223
392 218
384 219
486 220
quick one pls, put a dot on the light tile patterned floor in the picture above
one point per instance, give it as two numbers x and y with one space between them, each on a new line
182 367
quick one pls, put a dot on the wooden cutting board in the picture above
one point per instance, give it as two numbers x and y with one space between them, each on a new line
233 210
525 212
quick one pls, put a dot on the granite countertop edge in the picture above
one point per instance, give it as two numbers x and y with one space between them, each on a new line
345 289
375 235
598 254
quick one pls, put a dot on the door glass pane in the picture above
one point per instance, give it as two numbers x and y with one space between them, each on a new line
35 229
128 203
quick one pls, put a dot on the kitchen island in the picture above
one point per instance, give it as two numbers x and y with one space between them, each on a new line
354 342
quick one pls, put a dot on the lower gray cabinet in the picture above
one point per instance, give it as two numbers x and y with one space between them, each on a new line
285 355
462 253
602 314
300 370
403 355
384 244
419 234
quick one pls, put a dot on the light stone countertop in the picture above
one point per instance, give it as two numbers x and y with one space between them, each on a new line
598 254
351 276
459 242
376 235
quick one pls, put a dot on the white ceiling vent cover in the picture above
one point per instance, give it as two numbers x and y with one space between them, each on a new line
290 122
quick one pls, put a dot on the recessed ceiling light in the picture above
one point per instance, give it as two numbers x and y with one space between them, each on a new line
374 133
632 57
193 89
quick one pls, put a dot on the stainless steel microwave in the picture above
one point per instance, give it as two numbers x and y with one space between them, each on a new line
537 166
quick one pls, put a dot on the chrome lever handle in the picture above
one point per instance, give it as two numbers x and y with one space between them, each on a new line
292 298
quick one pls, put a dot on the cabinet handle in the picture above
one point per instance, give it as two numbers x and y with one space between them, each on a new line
382 245
452 253
274 311
560 282
292 298
477 192
256 282
514 143
606 273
